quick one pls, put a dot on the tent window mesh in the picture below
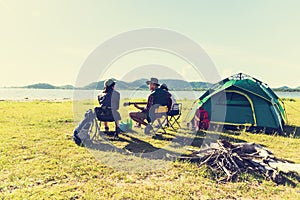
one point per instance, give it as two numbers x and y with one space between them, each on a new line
233 99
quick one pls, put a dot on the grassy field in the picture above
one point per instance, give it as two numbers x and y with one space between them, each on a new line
39 160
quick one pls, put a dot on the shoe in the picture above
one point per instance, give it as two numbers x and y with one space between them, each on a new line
138 125
148 129
118 130
116 136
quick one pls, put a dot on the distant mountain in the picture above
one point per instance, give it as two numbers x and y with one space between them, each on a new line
92 86
100 84
287 89
140 84
203 85
49 86
66 87
41 86
284 88
172 84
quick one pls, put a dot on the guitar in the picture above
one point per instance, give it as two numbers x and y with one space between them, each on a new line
132 103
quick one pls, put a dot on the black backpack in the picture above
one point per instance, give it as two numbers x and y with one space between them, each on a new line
81 134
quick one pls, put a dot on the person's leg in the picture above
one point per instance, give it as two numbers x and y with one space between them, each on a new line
167 121
106 126
117 129
139 117
138 125
117 125
196 124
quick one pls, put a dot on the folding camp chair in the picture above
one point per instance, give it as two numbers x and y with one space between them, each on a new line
158 118
174 115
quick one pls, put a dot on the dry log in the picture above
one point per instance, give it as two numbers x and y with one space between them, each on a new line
229 160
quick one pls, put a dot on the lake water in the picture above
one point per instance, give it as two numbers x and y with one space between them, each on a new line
58 94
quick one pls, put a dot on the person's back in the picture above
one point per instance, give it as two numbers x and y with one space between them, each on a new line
161 97
173 100
110 99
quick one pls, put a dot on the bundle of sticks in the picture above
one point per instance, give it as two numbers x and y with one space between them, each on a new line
228 161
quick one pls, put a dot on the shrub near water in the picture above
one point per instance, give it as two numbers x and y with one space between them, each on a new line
39 160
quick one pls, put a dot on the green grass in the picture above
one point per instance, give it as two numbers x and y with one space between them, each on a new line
39 160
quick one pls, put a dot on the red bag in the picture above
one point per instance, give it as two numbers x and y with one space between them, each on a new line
201 119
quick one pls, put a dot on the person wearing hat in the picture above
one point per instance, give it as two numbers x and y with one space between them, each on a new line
159 97
110 99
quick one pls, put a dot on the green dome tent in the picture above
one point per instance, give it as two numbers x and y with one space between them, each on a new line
242 100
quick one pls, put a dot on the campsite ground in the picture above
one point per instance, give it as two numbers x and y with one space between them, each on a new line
39 160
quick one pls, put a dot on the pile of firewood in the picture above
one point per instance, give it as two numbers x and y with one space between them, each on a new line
228 161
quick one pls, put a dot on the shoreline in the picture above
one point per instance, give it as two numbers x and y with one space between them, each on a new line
292 90
122 99
70 95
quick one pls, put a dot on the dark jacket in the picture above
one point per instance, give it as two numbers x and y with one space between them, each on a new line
110 100
159 97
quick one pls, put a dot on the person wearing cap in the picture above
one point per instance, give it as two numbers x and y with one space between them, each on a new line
165 87
110 99
158 96
173 108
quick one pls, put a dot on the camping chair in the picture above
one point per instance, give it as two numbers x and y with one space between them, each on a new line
104 114
174 115
158 118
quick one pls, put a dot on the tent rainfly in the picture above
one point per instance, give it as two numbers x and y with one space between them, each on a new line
242 100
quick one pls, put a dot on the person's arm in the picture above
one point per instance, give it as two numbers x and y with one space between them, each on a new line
117 100
169 101
173 99
149 103
99 98
138 107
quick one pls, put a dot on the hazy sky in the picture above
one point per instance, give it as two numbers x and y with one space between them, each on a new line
48 41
